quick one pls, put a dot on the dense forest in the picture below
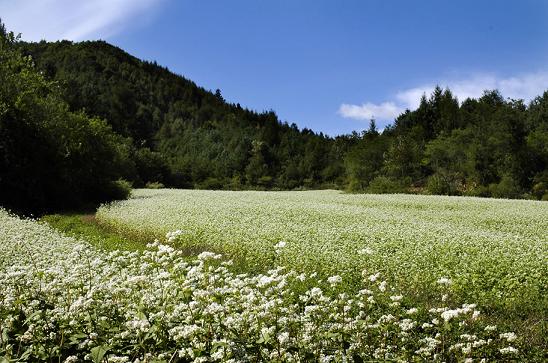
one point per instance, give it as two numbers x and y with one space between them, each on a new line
182 134
78 120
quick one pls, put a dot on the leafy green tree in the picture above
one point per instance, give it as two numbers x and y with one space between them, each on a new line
451 159
50 157
402 160
364 160
257 167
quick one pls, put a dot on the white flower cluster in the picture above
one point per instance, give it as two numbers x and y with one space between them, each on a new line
60 299
444 281
172 236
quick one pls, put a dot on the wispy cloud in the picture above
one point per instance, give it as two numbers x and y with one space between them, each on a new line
367 111
525 86
73 19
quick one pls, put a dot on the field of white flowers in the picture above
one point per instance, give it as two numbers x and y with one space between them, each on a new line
62 300
494 251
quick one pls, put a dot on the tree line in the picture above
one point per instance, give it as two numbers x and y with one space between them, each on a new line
51 157
79 119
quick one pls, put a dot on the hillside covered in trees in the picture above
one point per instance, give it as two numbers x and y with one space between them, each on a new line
99 112
182 134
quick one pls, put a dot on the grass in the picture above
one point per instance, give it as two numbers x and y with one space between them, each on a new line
86 227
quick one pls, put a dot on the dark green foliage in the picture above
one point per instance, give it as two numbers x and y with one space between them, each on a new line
183 135
365 160
154 185
485 147
50 157
177 134
383 184
442 182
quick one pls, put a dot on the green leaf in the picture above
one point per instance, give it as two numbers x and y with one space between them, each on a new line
98 353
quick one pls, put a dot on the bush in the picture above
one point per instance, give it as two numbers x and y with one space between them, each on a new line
117 190
355 185
154 185
506 188
211 184
540 186
383 185
477 190
444 184
151 166
235 183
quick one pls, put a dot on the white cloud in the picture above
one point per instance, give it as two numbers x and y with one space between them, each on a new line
367 111
73 19
525 86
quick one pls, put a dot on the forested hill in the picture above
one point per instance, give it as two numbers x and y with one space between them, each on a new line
184 135
147 125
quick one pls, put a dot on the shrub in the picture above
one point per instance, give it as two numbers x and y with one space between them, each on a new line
506 188
477 190
444 183
265 181
211 184
540 186
383 184
154 185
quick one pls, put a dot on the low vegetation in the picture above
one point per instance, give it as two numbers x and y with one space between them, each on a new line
494 251
64 300
85 227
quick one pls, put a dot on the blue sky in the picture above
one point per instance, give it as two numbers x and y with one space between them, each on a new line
325 65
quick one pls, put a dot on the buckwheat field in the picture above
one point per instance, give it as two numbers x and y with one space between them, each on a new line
281 277
493 251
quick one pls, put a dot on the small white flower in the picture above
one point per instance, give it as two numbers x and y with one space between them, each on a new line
382 286
508 350
283 337
374 277
444 281
205 256
334 280
172 236
510 337
365 251
450 314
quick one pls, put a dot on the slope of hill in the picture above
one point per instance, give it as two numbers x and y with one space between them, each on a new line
196 138
185 136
